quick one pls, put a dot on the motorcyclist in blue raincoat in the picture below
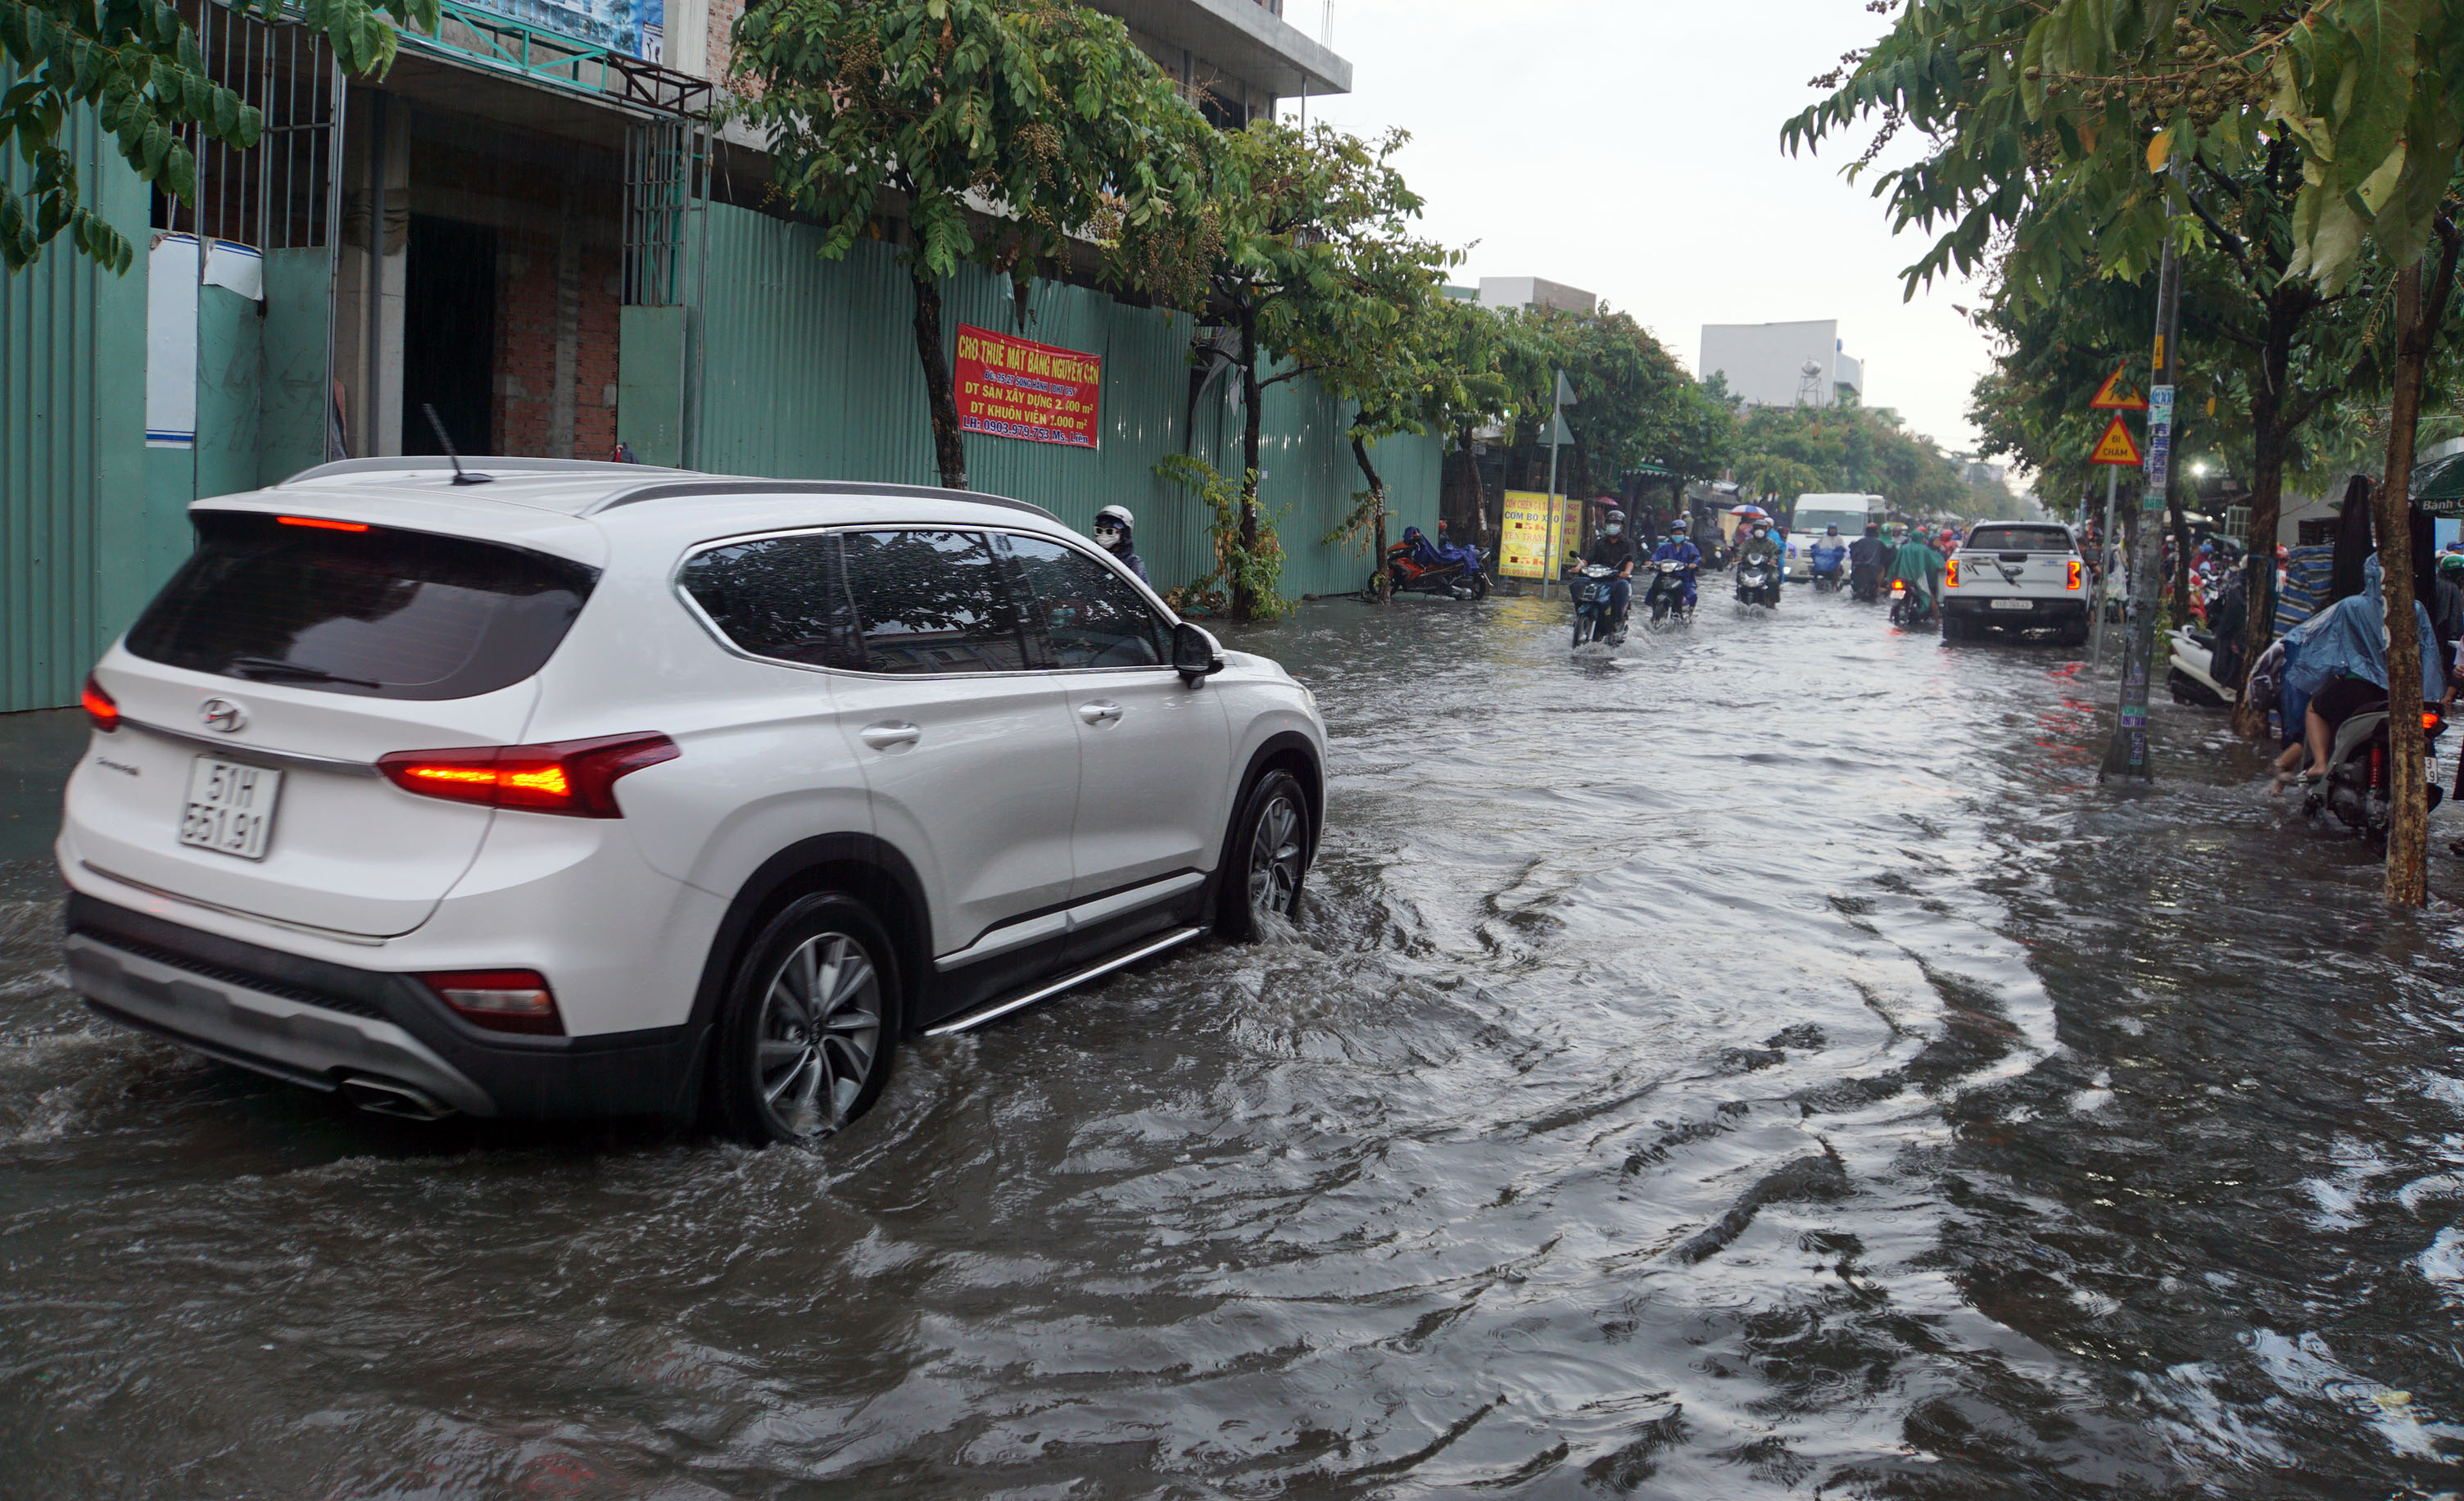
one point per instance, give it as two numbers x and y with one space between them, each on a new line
1680 548
1829 553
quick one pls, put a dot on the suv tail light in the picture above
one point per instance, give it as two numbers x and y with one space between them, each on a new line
2076 566
1950 574
101 711
573 777
500 1000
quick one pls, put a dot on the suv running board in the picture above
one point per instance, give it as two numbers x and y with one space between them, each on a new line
1001 1008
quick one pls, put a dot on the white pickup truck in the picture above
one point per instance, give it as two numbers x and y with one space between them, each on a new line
2015 575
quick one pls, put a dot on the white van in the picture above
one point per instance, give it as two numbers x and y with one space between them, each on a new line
1814 512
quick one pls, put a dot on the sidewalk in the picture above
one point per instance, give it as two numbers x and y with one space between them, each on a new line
36 751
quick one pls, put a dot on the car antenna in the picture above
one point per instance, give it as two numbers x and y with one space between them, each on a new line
460 476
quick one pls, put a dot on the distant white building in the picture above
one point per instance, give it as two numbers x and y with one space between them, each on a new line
1782 365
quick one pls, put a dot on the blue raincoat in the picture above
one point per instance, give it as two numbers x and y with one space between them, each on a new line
2349 639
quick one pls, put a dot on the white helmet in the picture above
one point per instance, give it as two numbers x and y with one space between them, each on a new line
1118 515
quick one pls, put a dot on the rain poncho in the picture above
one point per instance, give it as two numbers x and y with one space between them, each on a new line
2348 639
1919 564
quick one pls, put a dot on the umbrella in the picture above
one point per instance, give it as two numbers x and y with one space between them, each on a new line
1749 510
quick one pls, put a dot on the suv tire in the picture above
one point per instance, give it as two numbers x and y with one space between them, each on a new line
1265 857
811 1023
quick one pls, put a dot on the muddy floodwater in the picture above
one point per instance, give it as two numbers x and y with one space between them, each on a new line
1759 1065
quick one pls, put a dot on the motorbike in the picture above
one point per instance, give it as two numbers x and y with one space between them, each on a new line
1757 583
1665 598
2356 785
2190 679
1594 618
1865 585
1910 608
1827 583
1416 565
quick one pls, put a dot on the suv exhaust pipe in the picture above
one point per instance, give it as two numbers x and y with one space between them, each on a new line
387 1097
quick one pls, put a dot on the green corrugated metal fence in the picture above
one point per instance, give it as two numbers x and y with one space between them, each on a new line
72 443
809 370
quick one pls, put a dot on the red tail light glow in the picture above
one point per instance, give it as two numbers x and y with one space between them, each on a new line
2075 567
572 776
100 710
2433 720
500 1000
1950 574
321 524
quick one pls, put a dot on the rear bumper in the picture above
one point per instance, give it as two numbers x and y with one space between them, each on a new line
324 1025
2040 611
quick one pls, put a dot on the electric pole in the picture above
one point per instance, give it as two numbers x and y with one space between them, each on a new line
2128 755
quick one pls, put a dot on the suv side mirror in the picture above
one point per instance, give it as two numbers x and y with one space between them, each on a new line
1195 655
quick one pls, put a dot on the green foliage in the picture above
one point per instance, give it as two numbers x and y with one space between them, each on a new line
2062 111
1790 450
1005 124
139 66
1248 557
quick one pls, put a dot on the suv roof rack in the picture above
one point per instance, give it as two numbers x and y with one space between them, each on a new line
575 467
676 490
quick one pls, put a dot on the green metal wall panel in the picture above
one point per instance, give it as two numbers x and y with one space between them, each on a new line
649 383
809 370
72 443
295 402
231 376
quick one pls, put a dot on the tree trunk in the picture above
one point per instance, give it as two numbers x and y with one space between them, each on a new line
2258 572
2407 849
1244 599
949 448
1377 507
1478 491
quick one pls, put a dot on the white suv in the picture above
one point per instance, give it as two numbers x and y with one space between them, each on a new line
597 789
2015 575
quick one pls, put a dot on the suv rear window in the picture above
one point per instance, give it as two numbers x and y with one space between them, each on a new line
2019 539
379 612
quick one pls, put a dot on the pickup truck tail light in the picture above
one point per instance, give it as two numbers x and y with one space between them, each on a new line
571 777
1950 574
2075 567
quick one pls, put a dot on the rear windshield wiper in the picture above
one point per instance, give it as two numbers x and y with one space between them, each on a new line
266 667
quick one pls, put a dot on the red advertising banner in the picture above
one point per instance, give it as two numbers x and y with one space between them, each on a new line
1019 389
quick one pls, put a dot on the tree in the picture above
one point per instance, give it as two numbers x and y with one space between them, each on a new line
1299 222
1007 127
139 67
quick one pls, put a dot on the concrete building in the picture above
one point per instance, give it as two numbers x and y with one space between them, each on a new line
1235 58
1531 292
1782 365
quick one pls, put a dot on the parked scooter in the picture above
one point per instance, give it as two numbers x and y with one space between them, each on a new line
1911 610
1757 583
1416 565
2356 785
1665 597
1595 619
2191 680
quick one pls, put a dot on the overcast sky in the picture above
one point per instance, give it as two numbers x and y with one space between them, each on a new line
1631 147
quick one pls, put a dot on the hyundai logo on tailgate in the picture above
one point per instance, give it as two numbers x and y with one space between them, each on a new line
221 713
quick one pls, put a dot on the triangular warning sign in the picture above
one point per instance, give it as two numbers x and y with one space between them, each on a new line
2113 396
2115 446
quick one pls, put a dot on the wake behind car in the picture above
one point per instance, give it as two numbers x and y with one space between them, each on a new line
2015 575
595 789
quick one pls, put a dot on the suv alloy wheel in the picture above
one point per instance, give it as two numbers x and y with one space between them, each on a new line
811 1023
1267 858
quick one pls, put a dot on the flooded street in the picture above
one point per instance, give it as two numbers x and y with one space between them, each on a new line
1758 1065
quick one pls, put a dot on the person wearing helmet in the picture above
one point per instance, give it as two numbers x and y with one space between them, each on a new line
1920 563
1614 548
1680 548
1113 534
1829 553
2447 609
1867 556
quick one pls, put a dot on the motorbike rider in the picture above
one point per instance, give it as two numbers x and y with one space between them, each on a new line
1829 551
1867 556
1679 549
1615 549
1760 548
1114 525
1920 564
2337 662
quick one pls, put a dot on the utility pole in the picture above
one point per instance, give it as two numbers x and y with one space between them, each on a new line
2104 573
2128 755
1565 397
